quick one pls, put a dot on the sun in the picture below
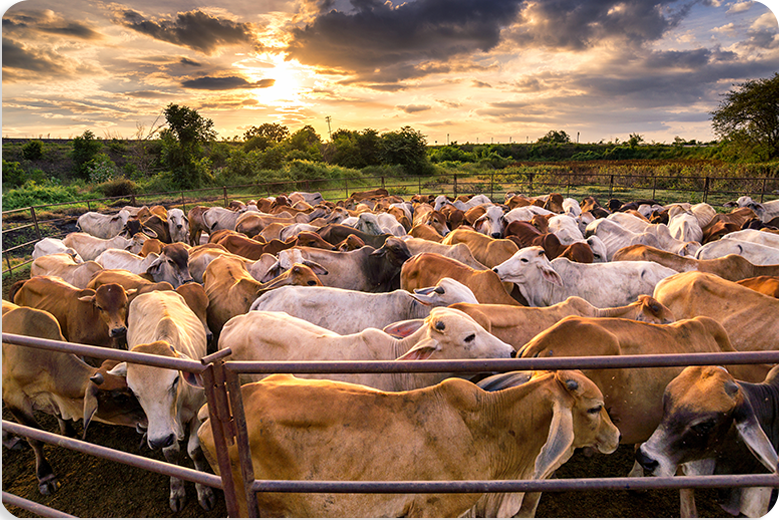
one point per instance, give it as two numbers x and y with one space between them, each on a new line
289 77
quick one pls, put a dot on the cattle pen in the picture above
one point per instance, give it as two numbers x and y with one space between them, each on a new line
22 227
229 425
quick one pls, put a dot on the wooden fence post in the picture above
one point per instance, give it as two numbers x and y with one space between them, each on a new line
35 222
706 189
183 207
346 188
611 183
224 194
763 190
132 199
8 261
491 186
654 181
455 185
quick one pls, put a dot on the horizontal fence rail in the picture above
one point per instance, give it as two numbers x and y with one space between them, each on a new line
228 421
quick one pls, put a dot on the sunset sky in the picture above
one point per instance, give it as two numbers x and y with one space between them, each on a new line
456 70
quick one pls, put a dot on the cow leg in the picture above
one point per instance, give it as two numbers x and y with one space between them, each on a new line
47 480
66 428
178 496
12 442
206 497
530 503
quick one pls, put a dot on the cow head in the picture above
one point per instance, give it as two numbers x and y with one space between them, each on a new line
651 310
446 292
178 226
526 266
491 223
110 302
437 221
394 251
134 226
171 266
700 406
108 398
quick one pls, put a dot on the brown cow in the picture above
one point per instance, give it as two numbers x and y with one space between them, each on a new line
729 267
94 317
426 269
764 284
488 251
350 243
427 232
197 224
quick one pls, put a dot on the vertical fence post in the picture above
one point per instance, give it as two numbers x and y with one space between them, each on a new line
224 195
132 199
89 208
183 207
383 180
492 175
35 222
654 181
8 261
706 189
346 188
455 185
611 183
763 190
419 185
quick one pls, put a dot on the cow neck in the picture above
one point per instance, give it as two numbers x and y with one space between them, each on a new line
540 295
71 389
379 274
402 346
763 398
417 309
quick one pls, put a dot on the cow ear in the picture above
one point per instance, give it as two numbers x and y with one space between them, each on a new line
86 295
559 440
191 378
753 435
551 276
315 267
378 252
119 370
421 351
90 405
149 232
402 329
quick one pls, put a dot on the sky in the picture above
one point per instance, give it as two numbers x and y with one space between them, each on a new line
477 71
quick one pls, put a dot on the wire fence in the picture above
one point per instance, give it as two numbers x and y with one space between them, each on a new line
229 425
23 227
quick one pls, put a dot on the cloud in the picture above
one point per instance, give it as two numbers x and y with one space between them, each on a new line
412 109
225 83
481 84
195 30
739 7
30 23
378 39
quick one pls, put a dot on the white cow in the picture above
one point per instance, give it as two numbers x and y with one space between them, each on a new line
161 323
525 213
765 211
685 227
389 224
89 247
756 236
221 218
445 334
491 223
755 253
50 246
566 229
178 226
571 207
613 284
102 226
121 259
349 312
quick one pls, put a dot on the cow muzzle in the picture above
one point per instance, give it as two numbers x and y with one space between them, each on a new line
118 332
649 464
162 442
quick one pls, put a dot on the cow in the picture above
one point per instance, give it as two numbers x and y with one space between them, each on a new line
313 198
196 224
94 317
199 259
525 213
763 284
90 247
63 266
765 211
58 384
221 218
50 246
486 250
543 282
426 269
755 253
335 233
231 290
102 226
459 252
444 334
350 243
518 325
491 223
178 226
756 236
162 324
171 265
151 245
715 424
505 429
365 269
729 267
121 259
749 317
350 312
426 232
615 237
685 226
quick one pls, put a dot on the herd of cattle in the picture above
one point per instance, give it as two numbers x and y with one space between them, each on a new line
375 277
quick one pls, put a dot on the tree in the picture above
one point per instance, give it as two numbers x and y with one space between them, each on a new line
273 132
182 144
85 148
749 114
634 140
406 147
555 137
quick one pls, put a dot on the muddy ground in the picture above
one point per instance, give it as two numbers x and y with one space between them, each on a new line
96 488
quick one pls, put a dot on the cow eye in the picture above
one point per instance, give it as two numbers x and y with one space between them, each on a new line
470 338
703 428
595 409
524 260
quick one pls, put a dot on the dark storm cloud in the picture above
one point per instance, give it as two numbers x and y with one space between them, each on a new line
28 23
225 83
377 35
191 63
195 30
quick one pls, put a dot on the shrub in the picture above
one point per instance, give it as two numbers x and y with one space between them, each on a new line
33 194
101 169
13 174
32 150
118 188
85 148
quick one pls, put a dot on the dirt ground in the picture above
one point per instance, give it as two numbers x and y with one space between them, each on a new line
96 488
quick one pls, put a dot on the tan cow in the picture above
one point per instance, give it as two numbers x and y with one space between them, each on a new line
488 251
730 267
426 269
58 384
518 325
63 266
749 317
452 431
764 284
231 290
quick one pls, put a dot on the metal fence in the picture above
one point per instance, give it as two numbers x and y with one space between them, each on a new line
37 222
229 426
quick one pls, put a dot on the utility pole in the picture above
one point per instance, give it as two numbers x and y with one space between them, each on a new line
327 120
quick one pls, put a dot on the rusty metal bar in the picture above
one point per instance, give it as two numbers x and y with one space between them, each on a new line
102 352
34 507
513 486
242 441
221 438
500 365
135 461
